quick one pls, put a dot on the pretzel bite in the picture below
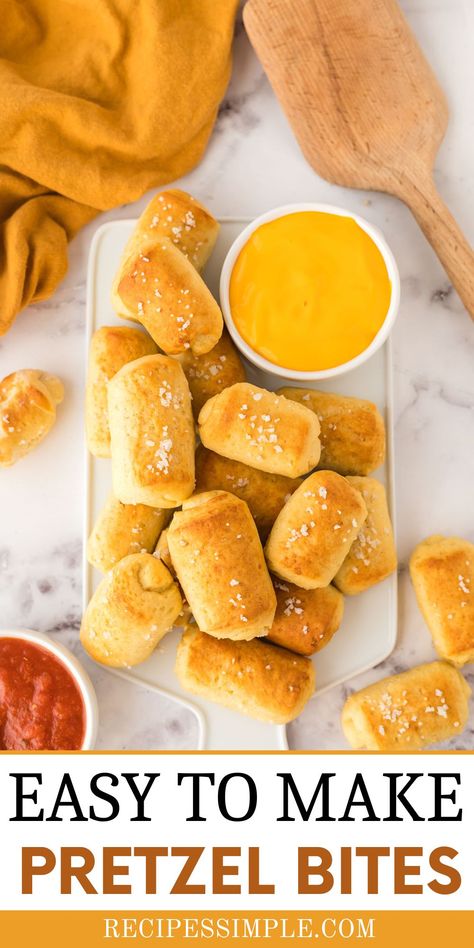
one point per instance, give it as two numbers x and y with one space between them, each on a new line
212 372
409 711
159 288
264 493
305 619
255 678
442 572
261 429
111 347
218 558
372 556
314 532
28 400
352 430
152 433
176 216
131 610
122 529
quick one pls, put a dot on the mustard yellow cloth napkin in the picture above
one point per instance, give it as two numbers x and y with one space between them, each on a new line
100 100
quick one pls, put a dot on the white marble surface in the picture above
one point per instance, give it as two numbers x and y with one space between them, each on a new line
252 164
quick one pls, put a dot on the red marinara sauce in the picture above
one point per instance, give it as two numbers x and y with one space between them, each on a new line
41 707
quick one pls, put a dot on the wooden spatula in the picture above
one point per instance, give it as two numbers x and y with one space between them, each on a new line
364 105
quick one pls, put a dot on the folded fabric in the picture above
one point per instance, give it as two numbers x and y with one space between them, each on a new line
100 100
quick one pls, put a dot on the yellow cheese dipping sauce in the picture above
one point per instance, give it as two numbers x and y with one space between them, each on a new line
309 290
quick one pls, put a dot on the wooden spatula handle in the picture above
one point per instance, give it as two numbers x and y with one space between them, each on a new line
444 235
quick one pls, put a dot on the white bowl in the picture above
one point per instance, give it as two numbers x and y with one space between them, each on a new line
79 674
293 374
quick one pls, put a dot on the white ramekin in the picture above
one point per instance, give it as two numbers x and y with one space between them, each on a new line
79 674
293 374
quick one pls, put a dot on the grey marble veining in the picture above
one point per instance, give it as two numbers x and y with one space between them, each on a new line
253 163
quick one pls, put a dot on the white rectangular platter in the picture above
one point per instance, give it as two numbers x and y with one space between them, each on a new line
369 628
